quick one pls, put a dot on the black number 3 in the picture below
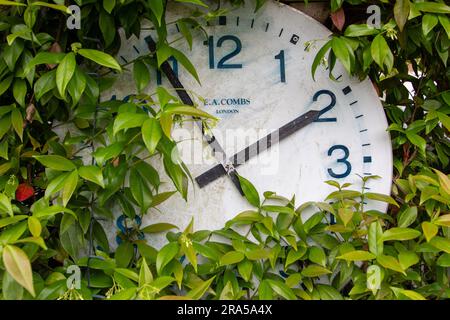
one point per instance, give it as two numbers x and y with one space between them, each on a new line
341 160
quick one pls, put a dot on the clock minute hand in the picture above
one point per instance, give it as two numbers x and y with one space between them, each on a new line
259 146
224 167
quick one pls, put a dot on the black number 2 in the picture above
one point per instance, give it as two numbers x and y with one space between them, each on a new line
328 108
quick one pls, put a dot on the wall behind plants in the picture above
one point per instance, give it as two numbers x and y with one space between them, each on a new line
51 201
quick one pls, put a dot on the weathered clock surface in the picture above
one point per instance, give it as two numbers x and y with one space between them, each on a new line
255 73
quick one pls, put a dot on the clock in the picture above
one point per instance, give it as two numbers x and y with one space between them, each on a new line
278 127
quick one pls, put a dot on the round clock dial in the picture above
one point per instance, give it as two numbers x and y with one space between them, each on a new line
255 73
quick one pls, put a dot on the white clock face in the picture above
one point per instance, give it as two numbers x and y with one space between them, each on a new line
256 77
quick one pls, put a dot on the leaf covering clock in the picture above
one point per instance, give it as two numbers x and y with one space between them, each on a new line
290 132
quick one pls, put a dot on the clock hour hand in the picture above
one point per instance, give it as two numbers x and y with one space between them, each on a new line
224 167
259 146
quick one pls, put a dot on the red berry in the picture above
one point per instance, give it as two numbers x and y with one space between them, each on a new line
24 191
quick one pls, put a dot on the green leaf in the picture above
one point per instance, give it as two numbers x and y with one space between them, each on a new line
200 290
177 175
390 263
52 210
55 185
318 58
109 5
443 220
34 226
165 255
444 181
128 120
429 230
93 174
327 292
70 184
12 3
381 197
124 254
181 58
161 282
11 220
294 255
158 227
381 53
45 58
157 7
141 75
444 260
45 83
445 22
314 270
17 122
357 255
282 289
265 291
56 162
107 27
375 238
20 91
317 255
407 217
140 190
12 53
407 259
145 275
417 140
401 13
64 72
189 111
245 269
5 205
5 83
111 151
344 53
100 58
163 53
258 254
4 149
250 192
346 215
441 244
161 197
125 294
19 267
76 86
432 7
429 21
231 257
128 273
197 2
166 121
400 234
410 294
51 5
359 30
